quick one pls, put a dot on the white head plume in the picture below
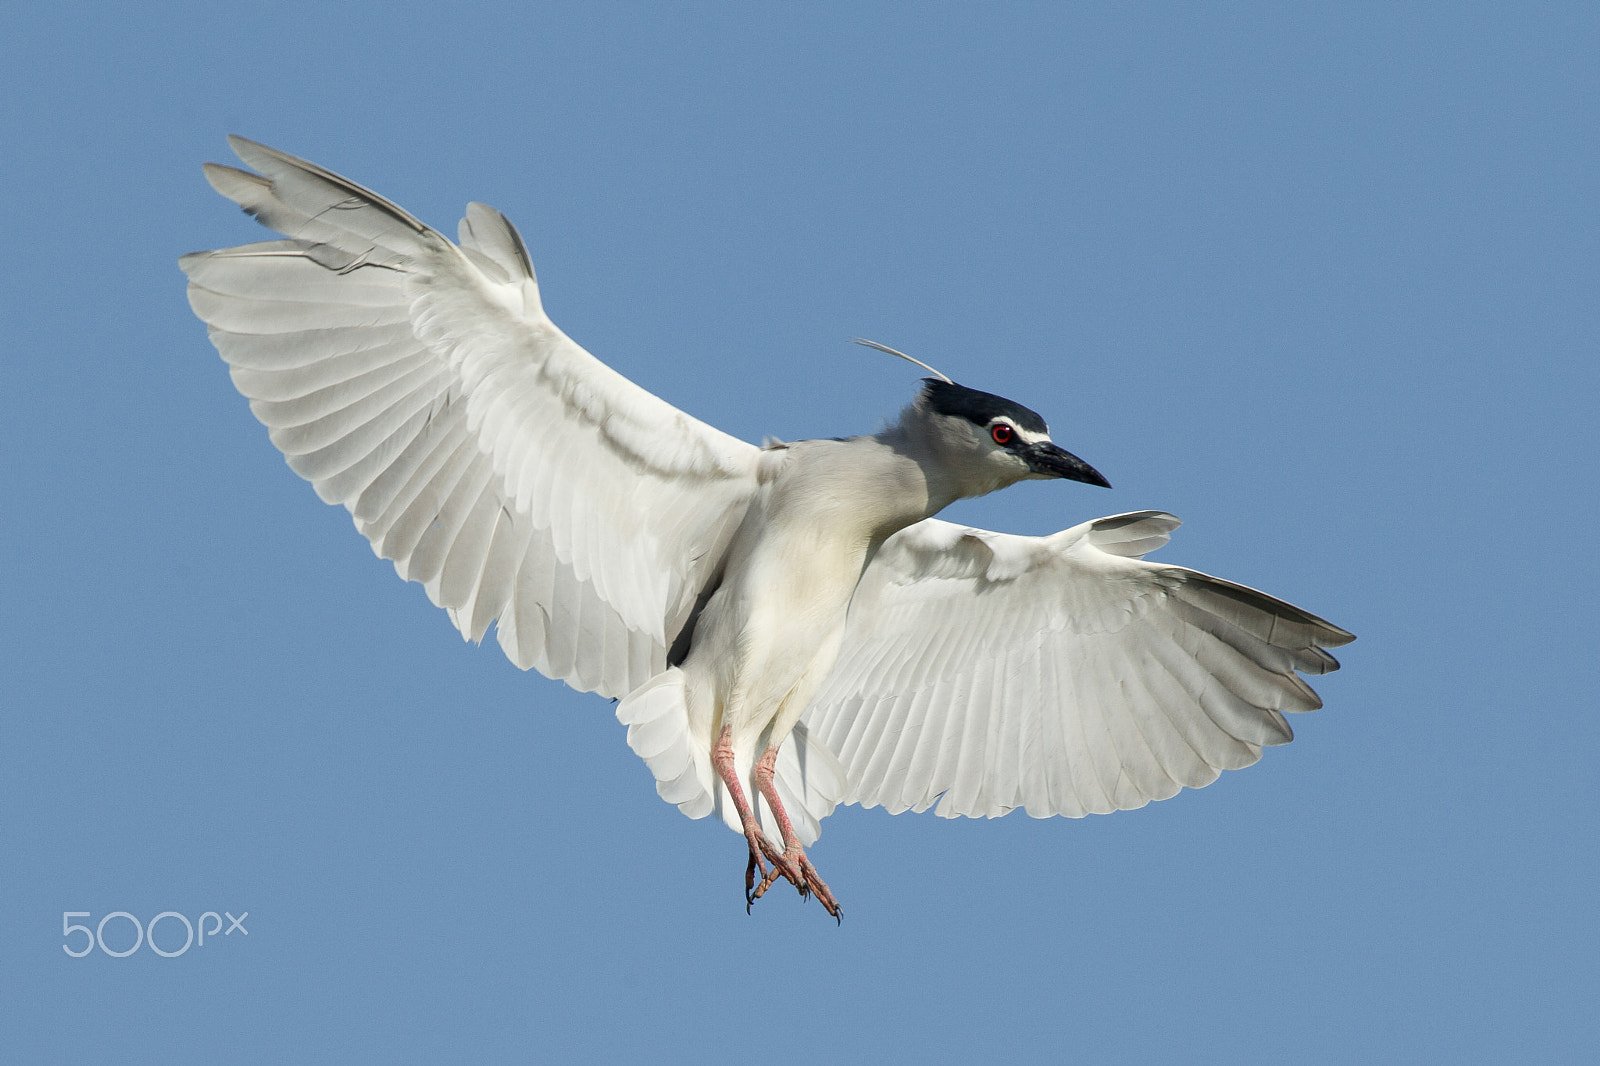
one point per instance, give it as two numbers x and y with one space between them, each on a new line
885 348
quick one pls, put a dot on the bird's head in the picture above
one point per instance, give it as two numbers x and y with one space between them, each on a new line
993 442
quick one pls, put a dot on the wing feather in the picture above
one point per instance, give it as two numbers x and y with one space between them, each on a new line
276 353
311 402
420 384
1061 674
380 484
492 591
463 564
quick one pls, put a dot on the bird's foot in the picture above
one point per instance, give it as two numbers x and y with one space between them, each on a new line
798 870
782 866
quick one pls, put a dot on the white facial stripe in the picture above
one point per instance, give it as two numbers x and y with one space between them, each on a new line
1027 437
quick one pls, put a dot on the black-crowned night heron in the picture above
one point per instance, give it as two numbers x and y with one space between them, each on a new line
786 627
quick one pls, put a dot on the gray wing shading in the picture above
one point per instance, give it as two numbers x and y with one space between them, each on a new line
1061 674
420 384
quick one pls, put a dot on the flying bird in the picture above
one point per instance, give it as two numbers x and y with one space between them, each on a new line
787 627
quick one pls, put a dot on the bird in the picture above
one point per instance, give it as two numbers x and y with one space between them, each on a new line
785 627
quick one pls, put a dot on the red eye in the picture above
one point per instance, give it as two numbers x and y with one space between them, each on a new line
1001 433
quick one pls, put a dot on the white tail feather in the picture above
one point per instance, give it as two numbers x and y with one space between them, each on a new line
809 778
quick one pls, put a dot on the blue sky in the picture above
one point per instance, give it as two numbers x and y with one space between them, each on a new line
1320 280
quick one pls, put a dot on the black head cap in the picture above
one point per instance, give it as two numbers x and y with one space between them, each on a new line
979 408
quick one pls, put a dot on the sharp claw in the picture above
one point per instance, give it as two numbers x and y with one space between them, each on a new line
757 844
789 863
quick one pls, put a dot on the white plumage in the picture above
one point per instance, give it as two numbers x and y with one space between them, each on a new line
795 601
515 476
1060 674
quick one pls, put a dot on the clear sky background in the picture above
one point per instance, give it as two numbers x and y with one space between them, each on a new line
1321 280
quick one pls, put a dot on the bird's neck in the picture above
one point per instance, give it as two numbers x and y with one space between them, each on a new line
917 451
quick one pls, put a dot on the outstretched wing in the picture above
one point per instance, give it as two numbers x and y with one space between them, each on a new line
421 385
1060 674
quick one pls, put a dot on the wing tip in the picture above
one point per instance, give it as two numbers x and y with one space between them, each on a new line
1133 535
273 164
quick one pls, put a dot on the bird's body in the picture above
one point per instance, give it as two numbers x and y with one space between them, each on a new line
787 628
772 629
771 633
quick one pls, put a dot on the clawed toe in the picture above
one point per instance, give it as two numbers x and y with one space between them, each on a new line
792 865
820 889
763 851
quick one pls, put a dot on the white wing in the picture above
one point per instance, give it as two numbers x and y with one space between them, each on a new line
1060 674
420 384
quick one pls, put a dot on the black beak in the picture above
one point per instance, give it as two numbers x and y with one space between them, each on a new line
1050 461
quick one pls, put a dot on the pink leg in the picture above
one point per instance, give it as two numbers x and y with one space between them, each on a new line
722 759
793 854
